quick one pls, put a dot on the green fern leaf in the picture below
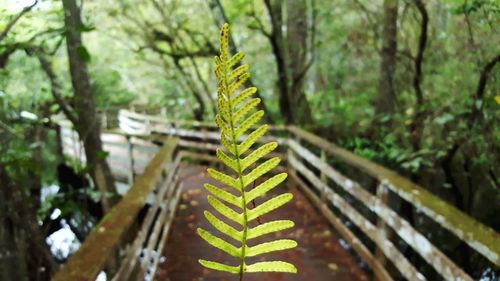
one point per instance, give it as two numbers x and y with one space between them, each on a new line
269 205
252 138
242 69
240 81
264 187
271 266
257 154
243 96
228 161
252 120
277 245
225 179
235 119
219 243
226 211
269 227
227 145
224 195
220 266
223 227
260 170
235 59
245 109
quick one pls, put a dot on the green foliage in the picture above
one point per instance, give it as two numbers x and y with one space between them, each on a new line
83 53
108 89
234 122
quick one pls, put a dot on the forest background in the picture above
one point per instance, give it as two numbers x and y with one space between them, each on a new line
411 84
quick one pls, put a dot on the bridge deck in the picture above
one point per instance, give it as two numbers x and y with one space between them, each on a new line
318 257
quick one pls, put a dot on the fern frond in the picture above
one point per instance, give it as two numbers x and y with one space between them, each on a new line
268 206
235 119
272 266
260 170
245 109
219 266
252 139
269 227
257 154
245 125
224 195
226 211
219 243
273 246
243 96
264 187
223 227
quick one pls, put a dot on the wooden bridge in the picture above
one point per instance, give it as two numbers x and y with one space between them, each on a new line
346 210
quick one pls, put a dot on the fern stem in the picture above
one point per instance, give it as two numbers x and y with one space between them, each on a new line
240 174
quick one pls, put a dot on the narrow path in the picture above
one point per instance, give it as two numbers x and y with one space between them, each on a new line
318 257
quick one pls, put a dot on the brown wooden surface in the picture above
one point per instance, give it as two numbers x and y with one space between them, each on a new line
318 257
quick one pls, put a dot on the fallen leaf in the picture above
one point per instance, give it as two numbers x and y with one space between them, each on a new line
333 266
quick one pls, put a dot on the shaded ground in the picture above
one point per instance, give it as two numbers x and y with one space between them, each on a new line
318 257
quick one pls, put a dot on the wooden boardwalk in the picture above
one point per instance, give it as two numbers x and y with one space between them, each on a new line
126 246
318 257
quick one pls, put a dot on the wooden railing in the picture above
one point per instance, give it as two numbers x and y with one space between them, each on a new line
102 247
308 160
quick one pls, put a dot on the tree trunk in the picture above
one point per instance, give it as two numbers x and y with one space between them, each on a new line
386 100
417 124
291 63
23 253
199 112
297 38
88 126
276 39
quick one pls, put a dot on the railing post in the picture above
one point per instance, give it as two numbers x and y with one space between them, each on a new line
382 193
148 127
291 171
130 150
323 177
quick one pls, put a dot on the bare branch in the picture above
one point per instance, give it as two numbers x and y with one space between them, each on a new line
422 43
416 127
481 86
54 83
13 22
260 26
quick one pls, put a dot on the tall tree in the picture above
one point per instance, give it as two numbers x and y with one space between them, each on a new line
386 100
88 124
24 255
299 46
417 125
290 49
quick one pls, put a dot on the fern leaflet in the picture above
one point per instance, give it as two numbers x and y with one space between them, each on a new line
235 119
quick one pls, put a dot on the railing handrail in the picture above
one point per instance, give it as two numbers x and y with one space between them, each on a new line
180 122
99 246
480 237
